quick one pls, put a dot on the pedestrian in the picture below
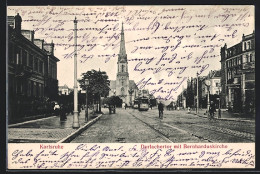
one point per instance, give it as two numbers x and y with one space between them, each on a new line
125 106
151 106
62 113
160 108
212 109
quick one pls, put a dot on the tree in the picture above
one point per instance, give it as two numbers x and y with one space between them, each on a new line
98 84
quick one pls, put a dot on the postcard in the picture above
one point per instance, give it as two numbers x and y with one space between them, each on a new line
131 87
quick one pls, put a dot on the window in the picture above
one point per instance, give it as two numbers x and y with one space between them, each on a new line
35 68
244 45
40 90
217 84
239 60
41 67
251 58
247 60
30 60
37 89
24 57
249 45
11 53
29 90
34 89
18 55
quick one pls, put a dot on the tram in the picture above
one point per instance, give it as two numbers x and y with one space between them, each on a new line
143 104
136 103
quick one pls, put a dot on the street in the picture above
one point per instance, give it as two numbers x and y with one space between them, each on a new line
133 126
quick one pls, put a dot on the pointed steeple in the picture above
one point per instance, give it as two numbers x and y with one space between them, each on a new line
122 51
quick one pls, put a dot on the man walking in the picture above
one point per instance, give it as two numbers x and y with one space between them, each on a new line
212 109
160 108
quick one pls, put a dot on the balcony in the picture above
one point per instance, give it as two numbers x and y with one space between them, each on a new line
23 71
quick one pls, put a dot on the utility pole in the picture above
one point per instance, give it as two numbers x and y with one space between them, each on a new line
197 111
86 111
75 112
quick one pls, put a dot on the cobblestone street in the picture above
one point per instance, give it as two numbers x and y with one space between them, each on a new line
133 126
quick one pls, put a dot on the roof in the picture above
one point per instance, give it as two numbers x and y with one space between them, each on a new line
64 87
132 84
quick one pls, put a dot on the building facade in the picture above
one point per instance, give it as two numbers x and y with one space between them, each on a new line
64 90
238 75
213 89
123 87
32 70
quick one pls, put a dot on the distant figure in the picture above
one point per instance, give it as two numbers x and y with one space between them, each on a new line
125 106
160 108
63 116
151 106
212 109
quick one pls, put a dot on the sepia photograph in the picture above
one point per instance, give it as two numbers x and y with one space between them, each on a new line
156 77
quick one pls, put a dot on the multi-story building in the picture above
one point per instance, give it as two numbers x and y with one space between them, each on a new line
213 90
238 75
181 99
32 70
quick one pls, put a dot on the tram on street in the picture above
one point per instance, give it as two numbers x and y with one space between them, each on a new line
136 103
143 104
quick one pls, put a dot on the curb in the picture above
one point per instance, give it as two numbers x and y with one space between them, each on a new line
225 119
73 135
30 121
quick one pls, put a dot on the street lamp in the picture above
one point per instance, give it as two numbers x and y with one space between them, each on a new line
219 110
86 111
197 110
208 83
75 124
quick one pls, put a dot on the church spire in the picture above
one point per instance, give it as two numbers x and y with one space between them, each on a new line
122 51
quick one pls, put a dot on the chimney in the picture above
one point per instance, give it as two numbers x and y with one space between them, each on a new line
28 34
39 43
49 47
18 23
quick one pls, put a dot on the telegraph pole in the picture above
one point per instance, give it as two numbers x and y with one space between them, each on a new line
197 111
75 112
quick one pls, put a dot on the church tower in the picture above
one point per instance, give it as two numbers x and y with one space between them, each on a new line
122 77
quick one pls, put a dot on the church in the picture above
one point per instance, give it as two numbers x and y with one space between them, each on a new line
123 87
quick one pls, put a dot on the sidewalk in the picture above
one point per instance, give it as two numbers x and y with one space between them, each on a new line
48 130
225 115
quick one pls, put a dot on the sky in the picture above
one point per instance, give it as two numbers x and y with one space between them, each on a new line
165 45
